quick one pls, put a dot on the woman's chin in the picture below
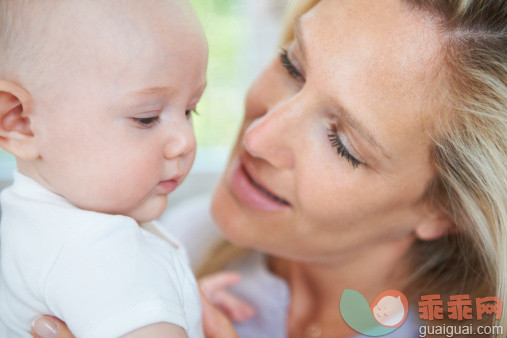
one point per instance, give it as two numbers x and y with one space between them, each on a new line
238 223
251 228
227 216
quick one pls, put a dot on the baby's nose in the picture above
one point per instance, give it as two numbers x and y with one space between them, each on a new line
180 143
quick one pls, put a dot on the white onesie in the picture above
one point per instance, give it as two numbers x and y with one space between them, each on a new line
101 274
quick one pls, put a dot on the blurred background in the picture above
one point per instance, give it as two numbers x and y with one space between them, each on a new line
243 37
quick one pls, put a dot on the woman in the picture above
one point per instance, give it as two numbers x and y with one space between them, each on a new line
372 157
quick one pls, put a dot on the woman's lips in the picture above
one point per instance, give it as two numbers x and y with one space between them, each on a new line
252 193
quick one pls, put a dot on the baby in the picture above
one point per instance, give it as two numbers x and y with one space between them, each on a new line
96 99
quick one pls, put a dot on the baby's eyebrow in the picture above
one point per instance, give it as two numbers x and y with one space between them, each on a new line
153 90
163 89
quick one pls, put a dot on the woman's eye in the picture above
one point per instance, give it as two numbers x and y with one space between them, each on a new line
147 121
289 66
341 150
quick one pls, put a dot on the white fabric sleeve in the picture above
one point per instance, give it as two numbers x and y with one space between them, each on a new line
112 279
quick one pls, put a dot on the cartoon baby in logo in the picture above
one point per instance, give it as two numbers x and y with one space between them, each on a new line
390 309
386 314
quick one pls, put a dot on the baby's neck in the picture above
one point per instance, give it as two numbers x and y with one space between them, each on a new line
29 169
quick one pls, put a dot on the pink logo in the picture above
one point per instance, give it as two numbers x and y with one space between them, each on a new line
390 309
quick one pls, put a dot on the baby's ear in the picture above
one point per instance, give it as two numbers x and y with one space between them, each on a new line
434 227
16 135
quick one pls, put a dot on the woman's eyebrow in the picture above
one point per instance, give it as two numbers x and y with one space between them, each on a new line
341 111
348 118
298 33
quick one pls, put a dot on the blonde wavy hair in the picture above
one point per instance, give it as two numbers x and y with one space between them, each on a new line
469 154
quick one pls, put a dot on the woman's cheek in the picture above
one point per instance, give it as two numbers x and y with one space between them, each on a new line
319 186
329 184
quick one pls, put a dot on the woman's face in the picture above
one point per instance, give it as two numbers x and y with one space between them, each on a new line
334 153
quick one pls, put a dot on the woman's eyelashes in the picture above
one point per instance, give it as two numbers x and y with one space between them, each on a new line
341 150
333 135
289 66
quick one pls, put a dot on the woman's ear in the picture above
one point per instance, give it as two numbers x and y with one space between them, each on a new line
434 227
16 135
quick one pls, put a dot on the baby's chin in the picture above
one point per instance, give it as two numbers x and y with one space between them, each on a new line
150 210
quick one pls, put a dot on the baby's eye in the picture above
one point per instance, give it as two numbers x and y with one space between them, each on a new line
189 112
147 121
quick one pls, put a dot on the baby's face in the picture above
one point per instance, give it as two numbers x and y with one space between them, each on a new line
113 124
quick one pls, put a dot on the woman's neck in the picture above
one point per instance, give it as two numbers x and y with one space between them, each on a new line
316 288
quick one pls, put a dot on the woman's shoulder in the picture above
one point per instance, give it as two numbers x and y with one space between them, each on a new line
191 223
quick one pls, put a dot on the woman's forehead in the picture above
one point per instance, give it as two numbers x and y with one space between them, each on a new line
378 59
380 34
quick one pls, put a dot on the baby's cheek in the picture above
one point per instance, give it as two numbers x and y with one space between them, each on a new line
113 191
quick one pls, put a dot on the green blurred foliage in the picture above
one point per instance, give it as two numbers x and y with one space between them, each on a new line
221 107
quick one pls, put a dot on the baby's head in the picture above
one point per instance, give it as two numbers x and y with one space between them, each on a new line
96 96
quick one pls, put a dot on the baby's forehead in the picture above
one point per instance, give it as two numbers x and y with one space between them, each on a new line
62 27
107 17
35 16
121 30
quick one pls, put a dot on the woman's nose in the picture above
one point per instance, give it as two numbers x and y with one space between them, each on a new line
180 142
270 138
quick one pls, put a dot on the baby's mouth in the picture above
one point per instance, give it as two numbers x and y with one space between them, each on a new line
264 191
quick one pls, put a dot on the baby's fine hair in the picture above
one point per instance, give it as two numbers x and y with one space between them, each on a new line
32 35
22 27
